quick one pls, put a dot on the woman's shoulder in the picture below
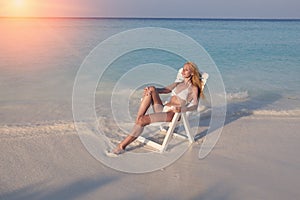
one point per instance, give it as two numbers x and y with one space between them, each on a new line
195 89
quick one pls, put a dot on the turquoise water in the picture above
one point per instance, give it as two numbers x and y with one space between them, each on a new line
259 61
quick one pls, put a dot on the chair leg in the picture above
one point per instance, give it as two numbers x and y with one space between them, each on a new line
170 131
187 127
162 147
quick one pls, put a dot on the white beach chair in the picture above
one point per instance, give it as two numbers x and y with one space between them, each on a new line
170 133
178 118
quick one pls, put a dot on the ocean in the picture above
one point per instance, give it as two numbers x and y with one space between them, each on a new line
259 62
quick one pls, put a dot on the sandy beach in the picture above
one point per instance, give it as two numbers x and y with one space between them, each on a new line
256 157
52 75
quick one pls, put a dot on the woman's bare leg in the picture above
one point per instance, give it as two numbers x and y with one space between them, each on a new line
139 127
136 131
150 98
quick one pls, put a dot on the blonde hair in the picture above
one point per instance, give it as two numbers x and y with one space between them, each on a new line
196 78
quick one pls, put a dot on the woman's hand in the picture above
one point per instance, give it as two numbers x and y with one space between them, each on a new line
179 109
176 109
147 91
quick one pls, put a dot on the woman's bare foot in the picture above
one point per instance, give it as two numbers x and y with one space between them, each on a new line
115 152
118 150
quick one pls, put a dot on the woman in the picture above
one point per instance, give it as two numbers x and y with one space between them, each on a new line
189 90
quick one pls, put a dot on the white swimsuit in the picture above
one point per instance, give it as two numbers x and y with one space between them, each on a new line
183 95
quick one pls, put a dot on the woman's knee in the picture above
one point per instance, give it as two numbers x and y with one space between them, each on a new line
142 120
152 89
149 91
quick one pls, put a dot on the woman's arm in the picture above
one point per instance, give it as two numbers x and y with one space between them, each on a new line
164 90
167 89
185 108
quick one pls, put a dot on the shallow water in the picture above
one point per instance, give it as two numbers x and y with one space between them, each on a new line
259 62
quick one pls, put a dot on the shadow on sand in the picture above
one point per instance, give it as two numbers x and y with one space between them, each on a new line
236 111
75 190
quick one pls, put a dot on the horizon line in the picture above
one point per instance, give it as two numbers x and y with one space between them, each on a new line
178 18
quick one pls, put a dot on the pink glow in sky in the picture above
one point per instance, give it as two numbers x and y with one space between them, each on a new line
153 8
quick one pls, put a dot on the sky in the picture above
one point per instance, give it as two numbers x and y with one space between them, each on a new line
152 8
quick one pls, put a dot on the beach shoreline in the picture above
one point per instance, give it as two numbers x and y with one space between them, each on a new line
43 157
255 158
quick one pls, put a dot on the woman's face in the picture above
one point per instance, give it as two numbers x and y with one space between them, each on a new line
187 71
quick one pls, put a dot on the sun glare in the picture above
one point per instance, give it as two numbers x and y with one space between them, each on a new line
18 3
17 8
